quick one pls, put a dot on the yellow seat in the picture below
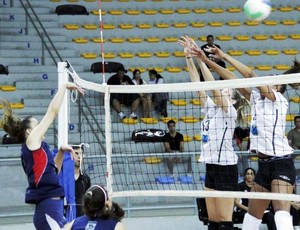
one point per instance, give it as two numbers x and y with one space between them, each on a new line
290 51
115 12
8 88
152 160
90 26
140 0
189 119
197 137
132 68
295 99
290 117
97 40
126 55
134 40
178 54
289 22
199 11
183 11
234 10
224 38
107 0
157 68
144 25
180 25
162 25
123 0
253 158
166 11
186 69
129 121
202 38
242 37
253 52
55 0
235 52
149 12
149 120
196 101
216 10
251 67
170 39
263 67
96 12
270 22
17 105
285 8
73 1
116 40
297 8
281 67
126 26
90 0
197 24
80 40
173 69
260 37
215 24
109 55
179 102
278 36
233 23
294 36
251 23
108 26
144 54
187 138
166 119
230 68
162 54
88 55
152 39
132 12
71 26
272 52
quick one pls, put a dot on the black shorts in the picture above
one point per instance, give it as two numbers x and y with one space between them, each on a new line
124 98
221 177
280 168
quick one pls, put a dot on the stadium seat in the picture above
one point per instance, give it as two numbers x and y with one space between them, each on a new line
90 0
90 26
162 54
180 25
253 52
116 40
179 102
278 36
179 54
166 11
263 67
251 23
185 179
97 40
197 137
235 52
202 38
152 160
96 12
72 1
183 11
132 68
189 119
187 138
8 88
126 26
162 25
55 0
170 39
290 117
144 26
80 40
270 22
134 40
115 12
149 12
294 36
126 55
281 67
109 67
129 121
70 9
197 24
297 8
224 38
108 55
173 69
4 69
195 101
152 39
272 52
290 51
233 23
132 12
260 37
199 10
108 26
88 55
149 120
295 99
242 37
165 180
166 119
216 24
285 8
234 10
144 54
216 10
289 22
17 105
71 26
230 68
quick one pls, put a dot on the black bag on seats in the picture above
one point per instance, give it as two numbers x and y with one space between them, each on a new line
70 9
7 139
109 67
148 135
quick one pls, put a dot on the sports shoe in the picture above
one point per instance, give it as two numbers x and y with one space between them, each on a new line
133 116
122 115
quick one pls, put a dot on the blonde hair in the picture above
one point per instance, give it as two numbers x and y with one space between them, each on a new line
243 109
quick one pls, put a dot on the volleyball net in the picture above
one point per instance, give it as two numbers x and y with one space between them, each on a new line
129 155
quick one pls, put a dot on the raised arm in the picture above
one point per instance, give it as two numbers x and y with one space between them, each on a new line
36 135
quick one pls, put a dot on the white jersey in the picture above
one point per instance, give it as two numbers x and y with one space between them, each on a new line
218 126
270 119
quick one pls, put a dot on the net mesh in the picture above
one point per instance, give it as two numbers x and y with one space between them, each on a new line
130 153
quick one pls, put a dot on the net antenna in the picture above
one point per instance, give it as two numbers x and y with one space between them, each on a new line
127 174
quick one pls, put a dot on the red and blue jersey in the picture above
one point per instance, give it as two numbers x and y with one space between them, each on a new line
41 173
84 222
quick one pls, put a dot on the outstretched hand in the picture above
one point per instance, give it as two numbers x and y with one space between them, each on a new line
72 86
68 148
187 43
216 53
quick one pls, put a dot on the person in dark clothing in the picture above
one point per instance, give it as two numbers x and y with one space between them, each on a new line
128 99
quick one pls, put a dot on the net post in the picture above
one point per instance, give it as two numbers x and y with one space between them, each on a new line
108 140
63 112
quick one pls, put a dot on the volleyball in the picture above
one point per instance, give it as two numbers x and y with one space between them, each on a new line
257 10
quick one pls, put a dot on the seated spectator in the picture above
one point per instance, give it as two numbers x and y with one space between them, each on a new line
241 205
145 98
173 142
159 99
294 134
128 99
99 212
210 43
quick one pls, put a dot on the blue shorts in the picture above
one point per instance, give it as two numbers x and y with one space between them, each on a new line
54 209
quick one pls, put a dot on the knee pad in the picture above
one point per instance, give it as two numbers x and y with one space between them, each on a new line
283 220
250 222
